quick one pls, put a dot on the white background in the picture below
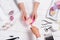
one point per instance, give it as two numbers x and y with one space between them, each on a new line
25 34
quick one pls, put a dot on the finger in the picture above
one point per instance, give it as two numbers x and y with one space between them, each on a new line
24 18
32 16
36 16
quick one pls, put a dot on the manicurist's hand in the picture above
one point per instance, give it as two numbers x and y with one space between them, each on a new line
35 31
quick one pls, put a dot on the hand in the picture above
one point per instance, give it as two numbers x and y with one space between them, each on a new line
24 16
35 31
34 15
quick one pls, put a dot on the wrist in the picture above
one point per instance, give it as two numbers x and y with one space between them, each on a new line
38 35
34 11
24 12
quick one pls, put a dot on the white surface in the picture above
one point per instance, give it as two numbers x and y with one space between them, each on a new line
21 30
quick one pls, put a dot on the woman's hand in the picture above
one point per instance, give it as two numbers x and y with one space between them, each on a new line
34 15
24 16
23 11
35 8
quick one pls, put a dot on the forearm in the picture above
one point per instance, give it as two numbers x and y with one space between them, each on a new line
22 7
35 6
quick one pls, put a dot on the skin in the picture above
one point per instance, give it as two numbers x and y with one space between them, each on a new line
35 8
35 31
24 13
21 6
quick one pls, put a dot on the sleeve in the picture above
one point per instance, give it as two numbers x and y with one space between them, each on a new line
36 1
19 1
